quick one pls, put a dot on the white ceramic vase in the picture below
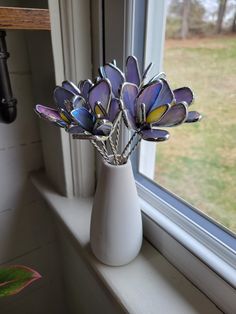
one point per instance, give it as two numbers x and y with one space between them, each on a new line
116 222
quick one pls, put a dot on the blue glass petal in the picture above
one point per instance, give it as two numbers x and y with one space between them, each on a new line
115 76
84 118
114 109
165 96
62 123
193 116
175 116
184 94
100 92
154 135
149 95
62 96
132 72
71 87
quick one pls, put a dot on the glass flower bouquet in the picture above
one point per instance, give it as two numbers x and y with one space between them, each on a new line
93 110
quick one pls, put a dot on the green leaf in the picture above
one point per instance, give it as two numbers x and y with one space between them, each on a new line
15 278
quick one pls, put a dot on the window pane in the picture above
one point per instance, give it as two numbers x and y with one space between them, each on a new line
198 163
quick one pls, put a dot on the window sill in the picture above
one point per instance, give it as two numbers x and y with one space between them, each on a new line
149 278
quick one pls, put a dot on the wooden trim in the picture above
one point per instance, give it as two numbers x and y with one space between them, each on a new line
24 18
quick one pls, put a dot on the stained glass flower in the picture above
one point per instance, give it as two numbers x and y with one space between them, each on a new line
93 110
181 95
89 113
154 105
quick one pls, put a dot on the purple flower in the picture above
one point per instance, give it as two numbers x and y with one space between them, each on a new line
154 105
89 113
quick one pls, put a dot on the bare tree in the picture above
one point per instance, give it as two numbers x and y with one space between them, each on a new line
185 19
221 13
234 23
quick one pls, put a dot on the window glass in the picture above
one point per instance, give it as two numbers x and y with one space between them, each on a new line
198 162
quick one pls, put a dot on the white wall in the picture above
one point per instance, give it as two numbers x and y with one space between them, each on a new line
26 227
85 292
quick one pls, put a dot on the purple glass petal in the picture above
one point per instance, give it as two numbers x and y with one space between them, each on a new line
165 96
47 113
78 101
114 109
149 95
129 93
75 129
174 116
157 77
115 76
84 118
102 127
147 70
80 85
193 116
154 135
100 92
62 96
132 72
71 87
85 88
129 120
184 94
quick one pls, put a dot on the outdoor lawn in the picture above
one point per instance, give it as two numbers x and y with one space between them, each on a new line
198 162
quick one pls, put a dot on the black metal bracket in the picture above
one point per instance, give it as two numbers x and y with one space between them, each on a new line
8 103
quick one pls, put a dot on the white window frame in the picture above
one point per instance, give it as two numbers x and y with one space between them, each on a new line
199 255
198 247
70 25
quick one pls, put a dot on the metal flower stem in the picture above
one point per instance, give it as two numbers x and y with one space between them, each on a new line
117 135
99 150
133 148
129 143
113 150
105 149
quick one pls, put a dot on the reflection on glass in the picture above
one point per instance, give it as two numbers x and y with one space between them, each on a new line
198 163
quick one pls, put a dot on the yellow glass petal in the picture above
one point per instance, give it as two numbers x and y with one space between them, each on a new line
98 111
64 117
156 114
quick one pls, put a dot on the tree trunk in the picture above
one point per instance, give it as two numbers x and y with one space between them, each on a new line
185 15
234 23
221 13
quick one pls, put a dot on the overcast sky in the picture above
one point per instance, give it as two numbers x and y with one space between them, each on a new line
211 7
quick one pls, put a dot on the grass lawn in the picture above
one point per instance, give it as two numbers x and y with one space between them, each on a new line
198 162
